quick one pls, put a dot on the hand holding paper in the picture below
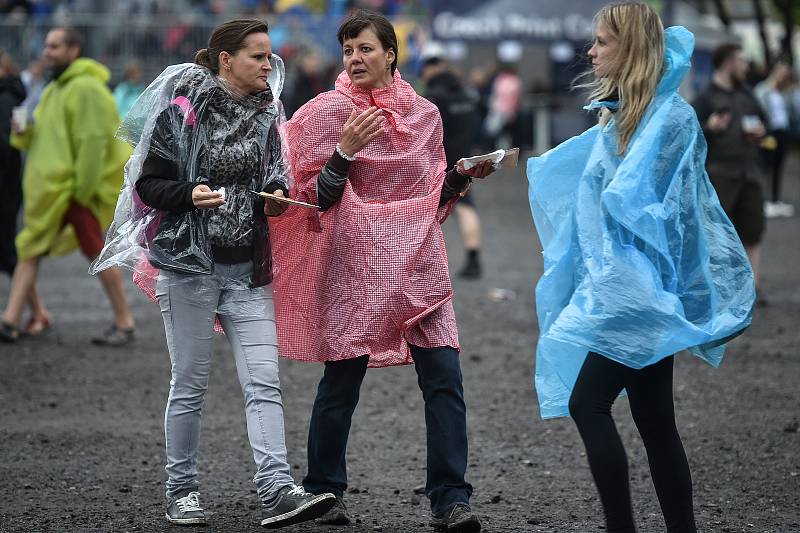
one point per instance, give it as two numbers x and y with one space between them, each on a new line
499 159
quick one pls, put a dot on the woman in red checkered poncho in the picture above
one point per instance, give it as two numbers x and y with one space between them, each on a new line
364 280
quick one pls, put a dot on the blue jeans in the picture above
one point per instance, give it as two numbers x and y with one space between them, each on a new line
189 305
439 378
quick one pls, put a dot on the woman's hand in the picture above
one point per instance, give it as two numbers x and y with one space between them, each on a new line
274 208
718 122
481 170
361 129
204 198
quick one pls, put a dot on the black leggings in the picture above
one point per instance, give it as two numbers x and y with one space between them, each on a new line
650 394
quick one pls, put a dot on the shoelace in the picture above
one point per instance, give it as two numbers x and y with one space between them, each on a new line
298 490
189 503
456 507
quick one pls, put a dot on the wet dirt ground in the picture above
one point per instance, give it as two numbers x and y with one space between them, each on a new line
81 427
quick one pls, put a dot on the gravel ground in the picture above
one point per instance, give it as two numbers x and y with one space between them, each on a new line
81 439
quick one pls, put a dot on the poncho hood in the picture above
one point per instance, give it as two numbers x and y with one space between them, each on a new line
84 66
397 98
640 260
678 49
194 83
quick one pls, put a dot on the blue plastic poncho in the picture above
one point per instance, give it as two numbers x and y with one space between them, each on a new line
640 260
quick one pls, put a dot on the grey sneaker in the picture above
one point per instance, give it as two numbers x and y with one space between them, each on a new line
294 505
184 509
459 519
114 336
336 516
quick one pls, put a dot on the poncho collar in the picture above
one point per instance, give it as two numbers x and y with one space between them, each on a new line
397 98
200 83
678 48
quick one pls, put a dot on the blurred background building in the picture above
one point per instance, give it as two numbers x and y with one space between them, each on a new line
544 41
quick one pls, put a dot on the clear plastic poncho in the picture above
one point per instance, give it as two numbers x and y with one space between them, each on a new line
640 260
205 132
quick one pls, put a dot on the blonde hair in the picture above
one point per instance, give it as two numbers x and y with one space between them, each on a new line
637 67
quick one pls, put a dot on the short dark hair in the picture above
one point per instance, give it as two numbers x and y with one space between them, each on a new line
430 61
72 37
363 19
228 37
724 52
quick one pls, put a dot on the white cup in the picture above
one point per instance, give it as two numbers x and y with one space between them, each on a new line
751 123
19 117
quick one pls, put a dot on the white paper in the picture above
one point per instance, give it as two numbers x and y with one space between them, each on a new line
499 158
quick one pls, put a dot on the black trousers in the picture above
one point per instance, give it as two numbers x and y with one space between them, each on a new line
10 202
775 160
650 395
439 379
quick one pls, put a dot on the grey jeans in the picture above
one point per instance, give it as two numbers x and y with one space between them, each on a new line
189 305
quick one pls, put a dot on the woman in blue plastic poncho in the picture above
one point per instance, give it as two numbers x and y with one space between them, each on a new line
640 261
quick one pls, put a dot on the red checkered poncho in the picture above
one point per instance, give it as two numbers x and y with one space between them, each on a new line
369 275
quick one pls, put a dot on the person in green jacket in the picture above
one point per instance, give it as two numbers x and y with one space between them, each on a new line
73 175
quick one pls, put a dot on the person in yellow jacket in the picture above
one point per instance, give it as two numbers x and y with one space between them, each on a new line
73 175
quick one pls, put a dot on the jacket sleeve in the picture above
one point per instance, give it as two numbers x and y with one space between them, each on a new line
158 184
454 185
91 122
21 141
276 174
331 181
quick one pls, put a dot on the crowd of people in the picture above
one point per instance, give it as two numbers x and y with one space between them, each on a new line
48 8
319 238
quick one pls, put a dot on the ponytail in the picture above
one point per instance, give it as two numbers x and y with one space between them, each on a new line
204 59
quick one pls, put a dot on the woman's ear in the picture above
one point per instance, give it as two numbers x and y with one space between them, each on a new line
390 55
224 60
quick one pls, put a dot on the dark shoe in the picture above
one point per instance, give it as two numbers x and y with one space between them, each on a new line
472 270
336 516
294 505
459 518
184 509
114 336
8 332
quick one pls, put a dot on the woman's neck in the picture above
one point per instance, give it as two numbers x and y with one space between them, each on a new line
232 88
724 80
385 82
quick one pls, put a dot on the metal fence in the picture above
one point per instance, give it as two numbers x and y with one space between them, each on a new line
156 43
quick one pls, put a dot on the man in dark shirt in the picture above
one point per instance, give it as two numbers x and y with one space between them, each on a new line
733 124
460 122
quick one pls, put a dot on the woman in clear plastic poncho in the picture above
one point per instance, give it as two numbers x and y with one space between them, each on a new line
640 261
206 137
364 281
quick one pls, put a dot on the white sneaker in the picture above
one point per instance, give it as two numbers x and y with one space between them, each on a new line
771 209
785 210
